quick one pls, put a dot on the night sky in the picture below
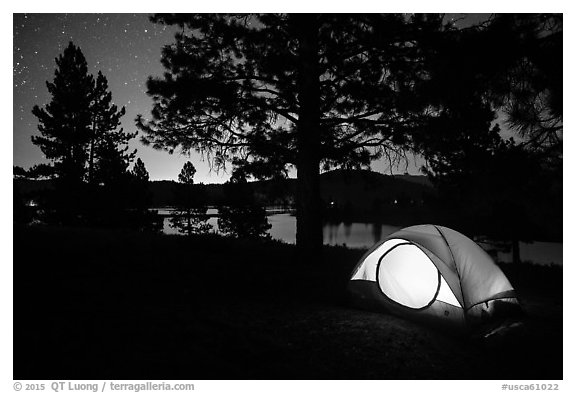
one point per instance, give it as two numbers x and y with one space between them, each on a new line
126 48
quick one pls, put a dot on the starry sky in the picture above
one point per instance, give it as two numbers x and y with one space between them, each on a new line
126 48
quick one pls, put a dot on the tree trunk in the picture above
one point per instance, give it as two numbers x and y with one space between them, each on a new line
91 157
308 215
91 164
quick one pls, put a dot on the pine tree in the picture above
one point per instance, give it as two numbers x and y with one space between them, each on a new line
139 171
109 159
242 217
190 216
279 91
109 156
80 135
186 175
140 199
247 221
65 123
139 192
507 189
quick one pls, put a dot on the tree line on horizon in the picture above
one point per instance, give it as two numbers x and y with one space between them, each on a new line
269 92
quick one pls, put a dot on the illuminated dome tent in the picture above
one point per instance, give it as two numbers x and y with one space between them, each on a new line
435 274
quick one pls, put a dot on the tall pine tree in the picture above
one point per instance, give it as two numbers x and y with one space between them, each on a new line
139 187
109 155
139 171
280 91
190 216
80 136
65 123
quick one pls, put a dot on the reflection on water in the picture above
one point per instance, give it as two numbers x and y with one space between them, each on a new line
541 253
356 235
365 235
166 211
168 230
353 235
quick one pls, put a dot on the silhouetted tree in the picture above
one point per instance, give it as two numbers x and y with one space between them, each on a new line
190 216
247 221
65 122
513 63
88 154
242 217
186 175
143 217
108 162
293 90
109 157
139 171
507 189
529 87
40 171
140 193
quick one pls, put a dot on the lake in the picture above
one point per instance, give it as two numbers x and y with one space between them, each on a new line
365 235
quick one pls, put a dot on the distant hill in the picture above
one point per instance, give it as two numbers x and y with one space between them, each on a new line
367 190
356 190
419 179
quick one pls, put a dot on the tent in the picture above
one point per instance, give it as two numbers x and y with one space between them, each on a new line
435 274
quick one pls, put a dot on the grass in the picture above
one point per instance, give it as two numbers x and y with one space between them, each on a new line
95 304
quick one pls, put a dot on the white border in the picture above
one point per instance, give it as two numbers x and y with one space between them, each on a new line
565 7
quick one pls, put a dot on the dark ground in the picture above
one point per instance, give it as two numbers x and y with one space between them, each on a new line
94 304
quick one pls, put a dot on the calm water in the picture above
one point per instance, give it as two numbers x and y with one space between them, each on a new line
363 235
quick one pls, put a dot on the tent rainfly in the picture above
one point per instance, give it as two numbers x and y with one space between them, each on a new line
435 274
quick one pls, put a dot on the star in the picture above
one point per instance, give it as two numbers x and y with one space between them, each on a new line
125 47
